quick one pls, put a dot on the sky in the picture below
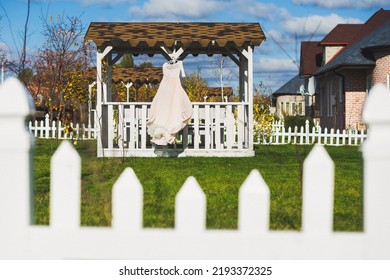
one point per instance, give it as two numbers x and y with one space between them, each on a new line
285 22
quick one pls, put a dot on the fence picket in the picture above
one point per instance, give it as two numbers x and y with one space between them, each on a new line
16 191
254 204
318 189
65 187
190 207
304 136
376 154
127 202
43 129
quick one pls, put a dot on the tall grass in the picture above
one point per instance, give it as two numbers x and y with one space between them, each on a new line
220 179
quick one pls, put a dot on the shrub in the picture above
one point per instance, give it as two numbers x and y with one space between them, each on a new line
299 121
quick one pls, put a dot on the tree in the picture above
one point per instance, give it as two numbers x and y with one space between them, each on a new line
196 87
21 65
76 93
145 64
222 72
263 118
62 53
126 61
3 61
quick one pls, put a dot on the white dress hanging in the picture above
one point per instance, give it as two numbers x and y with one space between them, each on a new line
171 108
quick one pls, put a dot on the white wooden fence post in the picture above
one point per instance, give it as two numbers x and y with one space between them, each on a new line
376 153
127 202
65 188
190 207
254 204
16 195
47 126
318 191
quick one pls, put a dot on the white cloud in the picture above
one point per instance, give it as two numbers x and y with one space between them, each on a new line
315 24
345 3
261 10
277 36
269 65
107 2
174 8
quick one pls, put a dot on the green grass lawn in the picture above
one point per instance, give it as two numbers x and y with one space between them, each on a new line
220 179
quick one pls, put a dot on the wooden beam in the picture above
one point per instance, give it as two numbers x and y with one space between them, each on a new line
232 57
116 58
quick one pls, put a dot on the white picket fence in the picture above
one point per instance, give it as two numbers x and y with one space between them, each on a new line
57 130
126 238
279 134
316 135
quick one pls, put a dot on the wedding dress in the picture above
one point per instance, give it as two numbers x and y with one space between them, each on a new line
171 108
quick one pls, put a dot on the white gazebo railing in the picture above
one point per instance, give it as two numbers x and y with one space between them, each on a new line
214 129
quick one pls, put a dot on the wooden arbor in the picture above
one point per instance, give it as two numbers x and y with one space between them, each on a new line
216 129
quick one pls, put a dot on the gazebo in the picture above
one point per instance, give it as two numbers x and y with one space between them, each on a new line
216 128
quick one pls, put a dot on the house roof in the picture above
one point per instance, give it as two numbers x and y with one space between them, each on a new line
291 87
308 65
356 54
374 22
148 75
141 37
342 34
216 91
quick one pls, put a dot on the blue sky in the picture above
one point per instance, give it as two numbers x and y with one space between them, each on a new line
285 22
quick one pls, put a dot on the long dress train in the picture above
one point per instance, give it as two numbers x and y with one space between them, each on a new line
171 108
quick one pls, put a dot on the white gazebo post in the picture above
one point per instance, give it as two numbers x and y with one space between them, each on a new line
100 98
90 86
246 89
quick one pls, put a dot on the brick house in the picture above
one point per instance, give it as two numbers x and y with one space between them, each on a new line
353 58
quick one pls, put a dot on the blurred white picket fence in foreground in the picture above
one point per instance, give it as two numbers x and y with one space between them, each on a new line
57 130
126 238
316 135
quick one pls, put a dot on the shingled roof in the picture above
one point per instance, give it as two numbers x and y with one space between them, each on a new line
291 87
148 75
308 65
356 54
216 91
142 36
342 34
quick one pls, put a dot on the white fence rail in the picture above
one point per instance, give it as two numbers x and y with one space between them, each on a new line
215 129
43 129
229 135
128 239
316 135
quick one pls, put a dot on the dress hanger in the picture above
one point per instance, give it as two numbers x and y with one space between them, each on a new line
173 61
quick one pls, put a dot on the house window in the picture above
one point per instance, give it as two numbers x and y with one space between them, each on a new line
287 108
281 110
368 83
300 108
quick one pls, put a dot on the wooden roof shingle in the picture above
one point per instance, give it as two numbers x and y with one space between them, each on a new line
148 75
155 34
